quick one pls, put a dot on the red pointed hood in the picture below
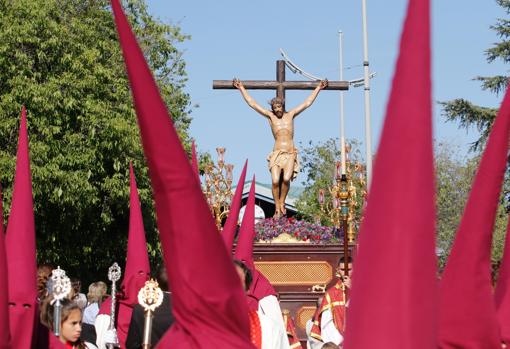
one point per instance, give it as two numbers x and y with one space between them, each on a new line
260 287
466 291
208 300
502 295
194 160
4 296
137 270
229 229
395 268
20 246
244 248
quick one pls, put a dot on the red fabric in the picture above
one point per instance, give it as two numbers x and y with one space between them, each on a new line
194 160
20 247
55 343
260 287
229 229
393 300
4 296
137 270
244 248
502 294
468 313
334 299
45 338
315 331
294 342
208 300
255 329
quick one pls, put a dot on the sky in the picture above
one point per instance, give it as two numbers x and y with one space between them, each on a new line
243 38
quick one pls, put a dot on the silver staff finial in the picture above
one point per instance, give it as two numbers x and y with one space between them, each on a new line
60 289
114 274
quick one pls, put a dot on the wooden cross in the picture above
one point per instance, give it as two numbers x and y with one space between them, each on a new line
280 84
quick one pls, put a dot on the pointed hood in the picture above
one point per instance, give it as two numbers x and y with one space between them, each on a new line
260 286
137 262
244 248
4 296
229 229
468 314
502 295
208 300
20 246
194 160
137 270
395 268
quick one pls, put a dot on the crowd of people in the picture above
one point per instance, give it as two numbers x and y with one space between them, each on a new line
79 326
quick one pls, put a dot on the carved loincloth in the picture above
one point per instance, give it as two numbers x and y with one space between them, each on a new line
280 158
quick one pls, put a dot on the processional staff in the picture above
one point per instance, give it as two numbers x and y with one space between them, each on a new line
150 297
60 287
114 274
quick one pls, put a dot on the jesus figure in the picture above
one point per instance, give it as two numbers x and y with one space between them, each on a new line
283 160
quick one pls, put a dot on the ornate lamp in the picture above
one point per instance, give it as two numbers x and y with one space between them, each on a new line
341 210
218 187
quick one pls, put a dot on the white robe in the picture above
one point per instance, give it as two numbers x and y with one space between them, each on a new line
101 324
272 335
270 306
329 332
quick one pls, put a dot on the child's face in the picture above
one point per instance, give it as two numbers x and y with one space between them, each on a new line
71 327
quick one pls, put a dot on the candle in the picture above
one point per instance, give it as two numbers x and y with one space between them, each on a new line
229 167
338 170
220 151
321 197
343 155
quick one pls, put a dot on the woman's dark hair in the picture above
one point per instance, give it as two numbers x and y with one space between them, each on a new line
248 276
43 274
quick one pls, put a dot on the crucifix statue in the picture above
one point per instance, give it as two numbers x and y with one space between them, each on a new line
283 160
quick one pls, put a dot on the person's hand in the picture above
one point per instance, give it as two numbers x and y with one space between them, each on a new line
347 281
236 83
323 84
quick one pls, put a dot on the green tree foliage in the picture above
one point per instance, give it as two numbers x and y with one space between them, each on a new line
454 176
469 114
61 58
318 163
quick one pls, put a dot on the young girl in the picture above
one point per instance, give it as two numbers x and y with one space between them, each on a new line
70 323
